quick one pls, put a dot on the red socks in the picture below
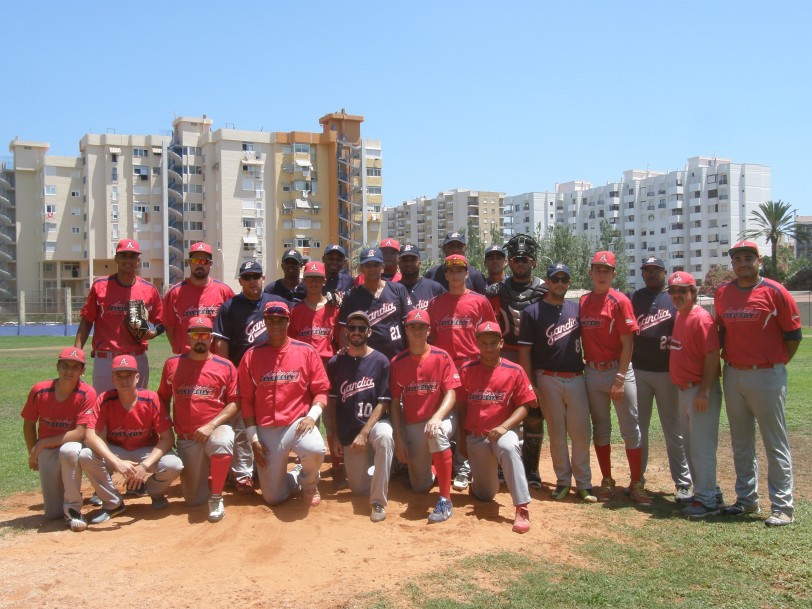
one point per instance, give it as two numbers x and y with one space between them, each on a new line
442 465
218 468
635 457
604 454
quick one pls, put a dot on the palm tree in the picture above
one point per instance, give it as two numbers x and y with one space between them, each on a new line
775 222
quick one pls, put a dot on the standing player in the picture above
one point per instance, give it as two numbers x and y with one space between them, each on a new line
760 330
386 303
495 262
390 248
129 433
550 354
421 290
106 311
283 390
455 244
494 398
203 391
695 371
423 381
289 286
355 416
607 336
655 314
197 296
54 427
338 280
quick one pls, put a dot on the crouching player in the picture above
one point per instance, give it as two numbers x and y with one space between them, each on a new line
495 397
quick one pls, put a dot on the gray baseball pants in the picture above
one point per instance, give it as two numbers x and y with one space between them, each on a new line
103 372
484 458
194 479
598 384
701 436
420 448
379 453
61 479
242 459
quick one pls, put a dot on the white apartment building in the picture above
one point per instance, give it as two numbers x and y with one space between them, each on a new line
529 213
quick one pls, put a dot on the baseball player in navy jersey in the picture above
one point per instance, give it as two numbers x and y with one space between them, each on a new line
761 330
695 371
289 286
338 280
655 316
202 389
495 262
455 244
240 325
421 290
423 381
54 423
494 397
385 302
607 336
390 248
550 354
355 418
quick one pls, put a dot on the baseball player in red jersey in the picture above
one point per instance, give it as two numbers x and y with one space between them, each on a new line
197 296
283 391
694 369
130 433
607 334
314 319
423 381
203 391
54 427
760 329
105 312
494 397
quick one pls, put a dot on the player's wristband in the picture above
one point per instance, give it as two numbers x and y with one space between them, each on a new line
159 329
251 432
315 412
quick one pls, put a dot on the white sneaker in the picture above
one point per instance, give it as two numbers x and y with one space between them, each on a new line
75 521
217 510
378 513
460 482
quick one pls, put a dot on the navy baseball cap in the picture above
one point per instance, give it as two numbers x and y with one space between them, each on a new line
558 267
652 261
409 249
335 248
495 249
250 267
293 255
455 236
372 254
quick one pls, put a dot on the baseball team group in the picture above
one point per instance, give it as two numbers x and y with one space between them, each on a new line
445 378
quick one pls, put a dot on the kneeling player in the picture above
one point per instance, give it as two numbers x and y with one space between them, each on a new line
495 397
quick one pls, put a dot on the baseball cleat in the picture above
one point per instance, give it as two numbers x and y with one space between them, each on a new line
521 523
605 491
244 486
442 511
378 513
779 519
684 495
160 503
461 482
105 515
586 495
739 509
75 521
138 491
639 494
312 497
697 510
560 492
217 510
95 501
534 479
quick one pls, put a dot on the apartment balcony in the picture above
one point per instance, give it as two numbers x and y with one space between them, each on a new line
175 230
4 183
176 171
696 260
5 201
696 231
6 220
5 275
6 237
674 190
613 213
695 216
675 204
174 154
175 213
676 218
6 256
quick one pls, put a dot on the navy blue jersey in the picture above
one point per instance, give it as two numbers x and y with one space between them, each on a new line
554 334
358 384
386 313
423 291
341 283
475 281
655 314
239 321
278 288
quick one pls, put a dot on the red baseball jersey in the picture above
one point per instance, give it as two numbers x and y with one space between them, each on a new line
694 335
278 385
186 301
491 394
106 309
421 382
55 418
359 280
130 429
454 319
604 319
199 390
756 321
316 328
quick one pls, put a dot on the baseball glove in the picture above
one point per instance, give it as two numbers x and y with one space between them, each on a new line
136 321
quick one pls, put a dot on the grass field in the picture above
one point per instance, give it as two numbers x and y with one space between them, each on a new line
665 561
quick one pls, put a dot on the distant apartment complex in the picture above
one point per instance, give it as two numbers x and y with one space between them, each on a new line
249 194
803 249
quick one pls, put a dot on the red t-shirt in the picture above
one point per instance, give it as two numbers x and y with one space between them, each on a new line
755 321
278 385
106 309
492 394
55 418
422 382
186 301
316 328
454 319
199 390
138 427
604 319
694 335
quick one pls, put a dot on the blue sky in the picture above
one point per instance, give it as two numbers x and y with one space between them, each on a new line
508 96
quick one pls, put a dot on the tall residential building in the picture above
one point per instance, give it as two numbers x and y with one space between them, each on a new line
803 249
249 194
530 213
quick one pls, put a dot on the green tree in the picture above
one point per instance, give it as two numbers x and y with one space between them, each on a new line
715 277
610 239
559 244
775 222
475 248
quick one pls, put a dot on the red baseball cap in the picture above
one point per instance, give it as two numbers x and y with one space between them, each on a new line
276 309
747 246
128 245
200 248
314 269
681 279
417 316
201 323
456 260
125 362
604 258
73 354
488 327
390 243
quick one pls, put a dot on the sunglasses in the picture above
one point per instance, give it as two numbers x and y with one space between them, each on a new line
199 335
354 328
251 277
203 261
521 259
555 279
678 290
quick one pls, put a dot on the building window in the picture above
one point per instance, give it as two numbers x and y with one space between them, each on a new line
75 230
114 211
50 190
114 175
192 207
192 170
713 194
140 152
156 171
302 148
74 193
247 147
145 264
156 208
371 190
374 172
187 225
